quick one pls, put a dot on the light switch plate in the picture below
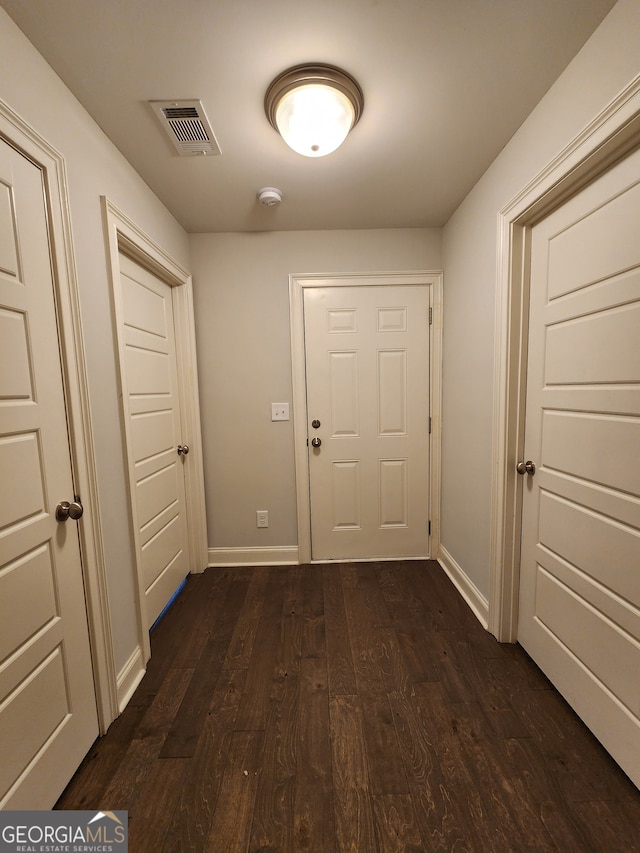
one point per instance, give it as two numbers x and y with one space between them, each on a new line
279 411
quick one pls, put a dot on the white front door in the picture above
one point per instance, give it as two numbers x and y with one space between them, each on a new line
367 377
152 408
580 568
48 717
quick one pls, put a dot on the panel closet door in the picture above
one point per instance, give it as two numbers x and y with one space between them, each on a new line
154 428
580 568
48 717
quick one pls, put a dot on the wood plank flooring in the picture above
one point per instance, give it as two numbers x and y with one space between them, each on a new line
351 707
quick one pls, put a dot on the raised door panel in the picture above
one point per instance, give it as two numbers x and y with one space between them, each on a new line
392 392
579 351
15 373
345 496
343 378
148 372
23 467
393 478
577 255
153 434
156 493
27 598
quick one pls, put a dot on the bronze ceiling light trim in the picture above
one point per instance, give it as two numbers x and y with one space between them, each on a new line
314 107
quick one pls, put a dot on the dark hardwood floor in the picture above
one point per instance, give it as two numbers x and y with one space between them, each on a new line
353 707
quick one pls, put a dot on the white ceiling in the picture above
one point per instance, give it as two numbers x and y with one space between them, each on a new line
446 84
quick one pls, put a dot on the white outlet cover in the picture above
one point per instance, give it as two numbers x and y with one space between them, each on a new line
279 411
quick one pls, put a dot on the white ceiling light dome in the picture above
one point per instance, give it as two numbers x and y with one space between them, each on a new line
313 107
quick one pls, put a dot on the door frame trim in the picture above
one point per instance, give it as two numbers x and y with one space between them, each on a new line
606 140
24 138
123 235
298 283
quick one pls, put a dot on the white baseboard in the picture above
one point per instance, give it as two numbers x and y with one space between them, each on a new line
286 556
129 678
467 589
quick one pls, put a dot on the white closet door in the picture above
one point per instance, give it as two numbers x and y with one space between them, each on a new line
580 574
152 405
48 717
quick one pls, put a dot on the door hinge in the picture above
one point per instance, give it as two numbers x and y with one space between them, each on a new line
430 316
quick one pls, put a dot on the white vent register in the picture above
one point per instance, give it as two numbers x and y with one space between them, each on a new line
187 126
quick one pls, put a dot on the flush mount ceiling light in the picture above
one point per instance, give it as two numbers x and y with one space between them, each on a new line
313 107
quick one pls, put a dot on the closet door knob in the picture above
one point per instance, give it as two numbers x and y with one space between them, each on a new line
69 509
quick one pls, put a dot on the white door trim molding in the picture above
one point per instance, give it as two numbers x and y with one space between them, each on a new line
123 235
297 285
611 135
19 134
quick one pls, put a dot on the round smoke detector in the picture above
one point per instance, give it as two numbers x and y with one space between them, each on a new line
270 196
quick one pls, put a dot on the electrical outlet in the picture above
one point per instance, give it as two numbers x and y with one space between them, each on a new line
262 518
279 411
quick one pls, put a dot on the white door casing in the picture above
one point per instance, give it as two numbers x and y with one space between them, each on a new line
48 715
136 305
579 613
367 367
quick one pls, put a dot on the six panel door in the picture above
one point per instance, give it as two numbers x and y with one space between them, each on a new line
367 376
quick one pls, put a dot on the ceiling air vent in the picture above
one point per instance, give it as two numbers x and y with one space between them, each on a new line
187 126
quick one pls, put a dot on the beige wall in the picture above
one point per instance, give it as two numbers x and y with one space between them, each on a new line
605 66
95 168
242 328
